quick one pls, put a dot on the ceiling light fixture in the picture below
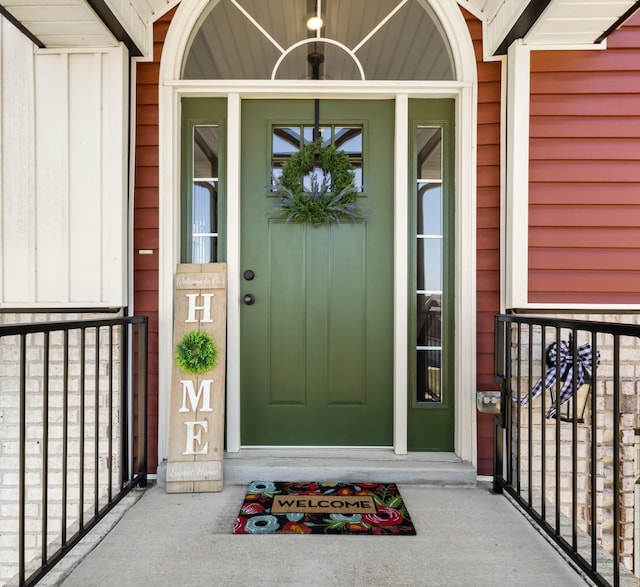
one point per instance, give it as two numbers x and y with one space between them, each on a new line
315 23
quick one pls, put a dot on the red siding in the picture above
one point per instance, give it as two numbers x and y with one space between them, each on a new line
145 223
488 234
584 210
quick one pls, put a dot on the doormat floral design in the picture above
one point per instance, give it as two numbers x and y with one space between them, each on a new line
280 507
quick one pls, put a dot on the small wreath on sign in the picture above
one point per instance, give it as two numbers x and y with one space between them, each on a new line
196 352
329 199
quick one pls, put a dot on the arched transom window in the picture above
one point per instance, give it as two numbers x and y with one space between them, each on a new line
349 40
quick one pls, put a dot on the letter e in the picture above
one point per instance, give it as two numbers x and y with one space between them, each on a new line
194 437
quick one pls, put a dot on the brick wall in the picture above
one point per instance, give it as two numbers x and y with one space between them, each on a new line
49 422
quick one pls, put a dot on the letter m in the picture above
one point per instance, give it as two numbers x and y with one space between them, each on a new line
188 390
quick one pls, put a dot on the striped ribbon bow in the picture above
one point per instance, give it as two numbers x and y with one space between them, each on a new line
583 367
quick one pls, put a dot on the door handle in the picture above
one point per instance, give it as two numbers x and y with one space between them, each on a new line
249 299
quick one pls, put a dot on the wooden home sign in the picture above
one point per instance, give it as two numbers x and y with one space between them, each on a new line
196 420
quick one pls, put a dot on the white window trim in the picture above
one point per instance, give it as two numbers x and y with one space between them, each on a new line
517 175
172 89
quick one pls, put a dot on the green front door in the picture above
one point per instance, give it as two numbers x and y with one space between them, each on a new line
317 342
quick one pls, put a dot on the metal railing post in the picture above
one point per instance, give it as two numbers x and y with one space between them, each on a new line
142 403
22 459
499 419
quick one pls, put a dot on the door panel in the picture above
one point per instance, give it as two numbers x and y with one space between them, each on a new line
317 344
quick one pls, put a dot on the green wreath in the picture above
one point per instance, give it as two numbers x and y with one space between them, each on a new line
328 200
196 352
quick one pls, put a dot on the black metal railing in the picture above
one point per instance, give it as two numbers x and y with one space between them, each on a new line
566 437
81 389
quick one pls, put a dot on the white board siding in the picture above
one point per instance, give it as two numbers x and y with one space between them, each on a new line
52 184
115 176
63 175
85 178
18 160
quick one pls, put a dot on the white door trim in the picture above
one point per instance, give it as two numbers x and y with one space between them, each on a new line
400 275
464 91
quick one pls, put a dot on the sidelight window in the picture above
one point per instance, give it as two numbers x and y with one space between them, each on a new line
204 195
430 264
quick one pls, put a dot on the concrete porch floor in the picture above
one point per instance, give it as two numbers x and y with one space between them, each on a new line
466 536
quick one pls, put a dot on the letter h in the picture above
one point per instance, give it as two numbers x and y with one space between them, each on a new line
206 308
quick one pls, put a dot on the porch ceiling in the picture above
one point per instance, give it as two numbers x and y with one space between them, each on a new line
543 23
105 23
86 23
59 23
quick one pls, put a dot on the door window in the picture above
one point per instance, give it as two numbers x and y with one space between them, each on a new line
287 140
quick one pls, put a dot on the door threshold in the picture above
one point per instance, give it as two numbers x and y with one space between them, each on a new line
332 452
348 464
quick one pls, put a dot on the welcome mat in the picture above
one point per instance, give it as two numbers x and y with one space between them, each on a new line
281 507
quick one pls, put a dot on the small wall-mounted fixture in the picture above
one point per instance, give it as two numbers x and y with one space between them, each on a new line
581 396
562 360
488 402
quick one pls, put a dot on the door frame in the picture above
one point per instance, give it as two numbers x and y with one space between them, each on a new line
463 91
